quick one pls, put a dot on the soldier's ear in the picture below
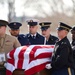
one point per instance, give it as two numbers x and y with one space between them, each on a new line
19 30
67 32
50 29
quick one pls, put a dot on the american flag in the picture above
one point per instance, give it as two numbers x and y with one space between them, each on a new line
32 58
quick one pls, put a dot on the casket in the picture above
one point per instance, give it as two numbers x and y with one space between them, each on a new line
29 60
42 72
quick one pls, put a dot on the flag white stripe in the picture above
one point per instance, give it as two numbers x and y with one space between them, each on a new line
37 62
16 62
8 56
10 67
42 50
26 56
16 53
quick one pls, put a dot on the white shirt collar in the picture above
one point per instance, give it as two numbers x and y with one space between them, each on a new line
33 35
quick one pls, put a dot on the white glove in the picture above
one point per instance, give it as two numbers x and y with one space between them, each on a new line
5 64
48 66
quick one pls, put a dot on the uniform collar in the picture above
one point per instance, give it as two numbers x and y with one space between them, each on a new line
34 34
50 38
61 41
21 36
37 35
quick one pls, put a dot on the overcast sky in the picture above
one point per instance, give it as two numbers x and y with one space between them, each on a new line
31 11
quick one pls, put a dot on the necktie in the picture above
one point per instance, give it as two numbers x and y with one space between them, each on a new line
34 37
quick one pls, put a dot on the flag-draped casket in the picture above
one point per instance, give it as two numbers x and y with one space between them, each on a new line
32 58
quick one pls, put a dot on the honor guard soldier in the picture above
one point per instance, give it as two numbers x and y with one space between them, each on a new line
62 59
45 28
15 30
73 44
7 43
33 36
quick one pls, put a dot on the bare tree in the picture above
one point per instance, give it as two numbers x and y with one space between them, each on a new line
11 9
73 1
38 5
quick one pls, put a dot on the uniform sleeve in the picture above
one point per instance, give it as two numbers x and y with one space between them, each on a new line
61 59
16 43
73 48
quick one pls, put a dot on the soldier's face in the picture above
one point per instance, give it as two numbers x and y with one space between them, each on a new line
14 32
46 32
73 35
2 30
33 29
62 34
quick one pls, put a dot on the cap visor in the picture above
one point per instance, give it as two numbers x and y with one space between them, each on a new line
60 28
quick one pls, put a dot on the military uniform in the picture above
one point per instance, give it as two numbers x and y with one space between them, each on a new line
52 39
21 37
7 43
62 59
73 44
10 43
37 38
73 48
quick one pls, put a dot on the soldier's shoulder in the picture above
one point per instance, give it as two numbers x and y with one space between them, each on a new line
54 37
21 35
63 43
40 36
10 37
27 35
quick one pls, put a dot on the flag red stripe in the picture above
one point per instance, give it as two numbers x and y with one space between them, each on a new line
35 69
31 55
11 61
8 72
11 54
21 57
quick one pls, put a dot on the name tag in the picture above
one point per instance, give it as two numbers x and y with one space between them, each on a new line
2 57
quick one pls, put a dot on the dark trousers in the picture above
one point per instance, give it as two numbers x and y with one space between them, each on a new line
74 71
65 71
3 71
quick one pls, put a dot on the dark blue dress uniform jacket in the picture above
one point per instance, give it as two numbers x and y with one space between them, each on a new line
62 57
73 48
38 40
52 40
23 40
